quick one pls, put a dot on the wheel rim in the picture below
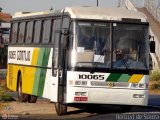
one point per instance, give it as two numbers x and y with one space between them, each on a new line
19 89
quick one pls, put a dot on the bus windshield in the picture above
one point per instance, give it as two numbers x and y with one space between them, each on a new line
110 45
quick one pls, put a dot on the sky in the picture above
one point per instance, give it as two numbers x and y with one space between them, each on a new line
13 6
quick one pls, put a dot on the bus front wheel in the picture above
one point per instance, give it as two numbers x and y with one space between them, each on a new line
61 109
22 97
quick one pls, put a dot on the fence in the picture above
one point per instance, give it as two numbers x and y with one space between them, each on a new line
131 5
153 7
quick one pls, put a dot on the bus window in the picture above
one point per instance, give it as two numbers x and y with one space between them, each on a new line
14 32
21 32
37 32
46 31
29 32
65 23
52 32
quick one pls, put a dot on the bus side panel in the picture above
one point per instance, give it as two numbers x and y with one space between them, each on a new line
12 74
37 79
48 78
28 75
36 72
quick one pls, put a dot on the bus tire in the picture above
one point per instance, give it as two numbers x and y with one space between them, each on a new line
126 108
22 97
32 99
61 109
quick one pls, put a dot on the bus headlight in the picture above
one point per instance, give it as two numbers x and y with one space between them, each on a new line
134 85
140 85
81 83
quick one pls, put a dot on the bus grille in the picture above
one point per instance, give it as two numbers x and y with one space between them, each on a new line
110 84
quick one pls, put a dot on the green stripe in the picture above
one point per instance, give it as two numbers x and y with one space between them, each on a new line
114 77
38 72
124 78
36 81
43 71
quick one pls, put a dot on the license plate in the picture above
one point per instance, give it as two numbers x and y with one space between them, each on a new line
80 99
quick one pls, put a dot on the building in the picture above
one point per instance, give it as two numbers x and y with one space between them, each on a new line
4 28
4 38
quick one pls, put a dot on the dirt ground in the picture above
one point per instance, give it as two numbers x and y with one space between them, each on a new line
15 107
42 108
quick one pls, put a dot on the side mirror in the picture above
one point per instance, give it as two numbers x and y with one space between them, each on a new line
152 46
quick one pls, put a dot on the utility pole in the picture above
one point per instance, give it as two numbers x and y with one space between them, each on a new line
97 3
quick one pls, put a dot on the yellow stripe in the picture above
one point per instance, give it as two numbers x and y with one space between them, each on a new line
135 78
35 56
12 72
30 73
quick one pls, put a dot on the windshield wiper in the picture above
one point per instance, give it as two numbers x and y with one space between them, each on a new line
96 63
125 63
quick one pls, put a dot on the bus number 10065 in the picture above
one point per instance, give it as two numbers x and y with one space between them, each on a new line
91 77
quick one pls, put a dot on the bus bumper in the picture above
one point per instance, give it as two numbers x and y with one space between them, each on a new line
107 96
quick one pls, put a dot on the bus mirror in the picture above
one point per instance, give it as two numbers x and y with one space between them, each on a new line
152 46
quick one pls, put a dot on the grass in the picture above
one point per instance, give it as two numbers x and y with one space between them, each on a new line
154 85
3 74
4 93
155 75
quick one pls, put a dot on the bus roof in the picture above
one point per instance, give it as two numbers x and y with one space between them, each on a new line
102 13
98 13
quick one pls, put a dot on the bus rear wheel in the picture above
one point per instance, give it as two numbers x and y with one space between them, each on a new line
22 97
32 99
61 109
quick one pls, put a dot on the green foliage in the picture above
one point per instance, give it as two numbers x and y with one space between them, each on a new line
6 97
2 74
155 75
4 94
155 86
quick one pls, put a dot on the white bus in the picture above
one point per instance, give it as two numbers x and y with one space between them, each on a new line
80 55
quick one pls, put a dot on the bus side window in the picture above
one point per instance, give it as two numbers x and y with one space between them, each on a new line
29 32
14 32
37 32
21 32
65 23
53 32
46 31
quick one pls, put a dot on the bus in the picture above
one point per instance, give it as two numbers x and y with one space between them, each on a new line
80 55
